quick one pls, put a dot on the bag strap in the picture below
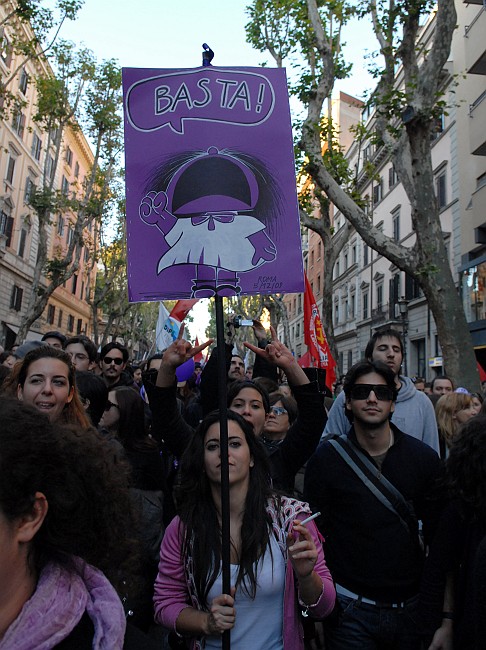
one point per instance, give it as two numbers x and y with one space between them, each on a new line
374 480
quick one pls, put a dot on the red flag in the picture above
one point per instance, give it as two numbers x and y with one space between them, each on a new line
199 355
181 309
315 337
482 373
306 360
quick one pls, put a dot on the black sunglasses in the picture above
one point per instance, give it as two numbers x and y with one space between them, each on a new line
362 391
109 405
109 360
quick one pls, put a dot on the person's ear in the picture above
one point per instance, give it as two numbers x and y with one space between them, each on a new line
20 393
28 525
71 395
252 462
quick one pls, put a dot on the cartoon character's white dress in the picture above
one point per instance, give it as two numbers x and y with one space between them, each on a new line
213 241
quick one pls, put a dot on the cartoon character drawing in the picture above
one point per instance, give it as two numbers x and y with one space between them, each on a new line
206 214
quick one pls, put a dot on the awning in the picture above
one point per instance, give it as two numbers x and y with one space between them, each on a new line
31 335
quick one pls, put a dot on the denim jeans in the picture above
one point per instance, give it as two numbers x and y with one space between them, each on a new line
360 626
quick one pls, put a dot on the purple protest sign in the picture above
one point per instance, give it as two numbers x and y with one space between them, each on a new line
210 181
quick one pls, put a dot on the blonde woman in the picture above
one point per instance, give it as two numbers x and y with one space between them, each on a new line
452 410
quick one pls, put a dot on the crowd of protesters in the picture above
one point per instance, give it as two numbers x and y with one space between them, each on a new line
110 501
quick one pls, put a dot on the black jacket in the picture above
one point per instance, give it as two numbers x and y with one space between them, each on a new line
367 548
454 549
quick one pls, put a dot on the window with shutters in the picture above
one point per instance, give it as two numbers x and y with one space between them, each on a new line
365 305
6 225
22 241
65 186
396 224
377 192
5 48
50 168
60 225
441 189
29 189
24 81
51 314
9 176
36 146
16 298
18 123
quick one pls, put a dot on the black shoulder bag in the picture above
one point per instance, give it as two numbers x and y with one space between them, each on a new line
378 485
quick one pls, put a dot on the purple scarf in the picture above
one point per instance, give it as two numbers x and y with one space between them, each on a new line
57 605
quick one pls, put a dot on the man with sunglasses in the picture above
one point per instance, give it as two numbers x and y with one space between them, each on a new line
113 359
413 412
371 536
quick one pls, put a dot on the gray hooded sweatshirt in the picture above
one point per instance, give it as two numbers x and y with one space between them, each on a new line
414 414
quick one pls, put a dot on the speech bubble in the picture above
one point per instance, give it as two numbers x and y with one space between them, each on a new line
204 94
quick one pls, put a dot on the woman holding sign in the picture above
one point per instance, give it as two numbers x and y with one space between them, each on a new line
277 561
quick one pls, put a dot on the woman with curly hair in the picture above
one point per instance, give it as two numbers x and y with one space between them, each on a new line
277 564
451 411
45 379
65 547
447 594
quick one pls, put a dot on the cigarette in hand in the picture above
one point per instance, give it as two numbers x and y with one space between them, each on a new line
306 521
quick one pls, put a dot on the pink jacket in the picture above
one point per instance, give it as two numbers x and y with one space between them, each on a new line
174 587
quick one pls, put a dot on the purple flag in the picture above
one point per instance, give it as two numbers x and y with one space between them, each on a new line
210 181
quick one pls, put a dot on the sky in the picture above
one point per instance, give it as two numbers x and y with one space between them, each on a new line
164 34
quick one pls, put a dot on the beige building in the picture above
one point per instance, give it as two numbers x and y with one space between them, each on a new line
23 157
368 291
345 111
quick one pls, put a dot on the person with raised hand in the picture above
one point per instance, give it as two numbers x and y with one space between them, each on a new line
248 399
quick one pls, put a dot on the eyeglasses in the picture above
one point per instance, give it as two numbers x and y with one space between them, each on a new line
278 410
362 391
110 404
110 360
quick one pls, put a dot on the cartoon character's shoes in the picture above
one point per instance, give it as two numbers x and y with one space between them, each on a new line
203 293
228 290
203 288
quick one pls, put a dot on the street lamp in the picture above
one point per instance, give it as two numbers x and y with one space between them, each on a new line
403 308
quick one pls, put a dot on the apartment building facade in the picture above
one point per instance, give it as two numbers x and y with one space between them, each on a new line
24 156
368 291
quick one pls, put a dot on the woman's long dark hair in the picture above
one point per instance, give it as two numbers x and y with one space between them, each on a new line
131 425
199 515
466 466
